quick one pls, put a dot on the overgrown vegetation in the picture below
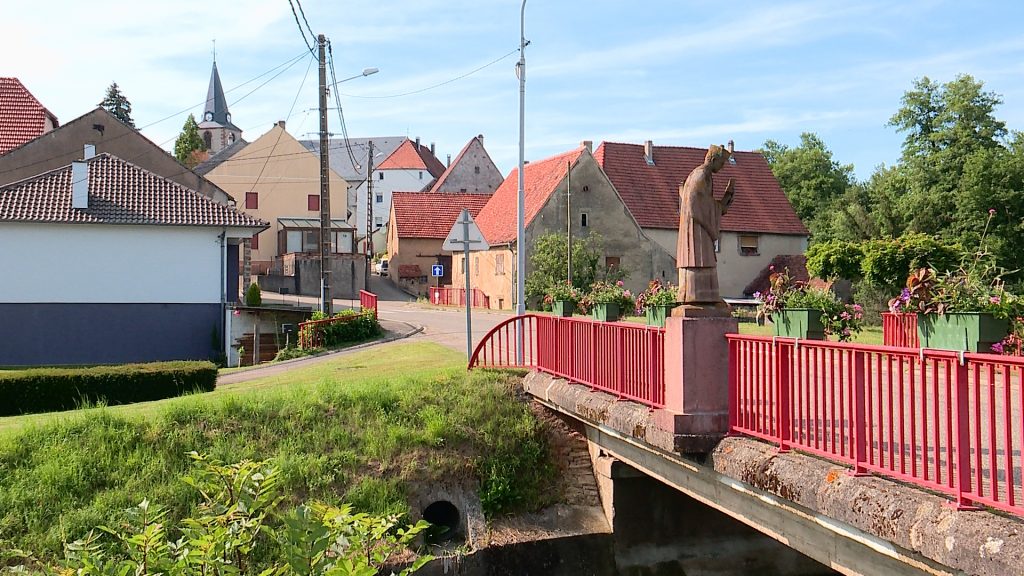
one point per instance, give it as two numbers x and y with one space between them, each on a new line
549 264
50 389
360 429
239 527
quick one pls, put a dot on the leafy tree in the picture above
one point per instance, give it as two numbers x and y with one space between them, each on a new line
188 141
117 104
835 259
548 263
810 177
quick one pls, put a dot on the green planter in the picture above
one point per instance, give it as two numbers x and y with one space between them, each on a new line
803 323
968 331
657 313
563 308
606 312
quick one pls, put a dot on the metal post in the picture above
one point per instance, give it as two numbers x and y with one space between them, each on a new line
325 186
521 199
568 221
465 253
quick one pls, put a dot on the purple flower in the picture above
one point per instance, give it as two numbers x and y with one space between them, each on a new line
905 295
997 347
757 295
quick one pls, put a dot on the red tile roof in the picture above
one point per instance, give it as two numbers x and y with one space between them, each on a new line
651 192
22 117
119 193
407 157
497 220
431 215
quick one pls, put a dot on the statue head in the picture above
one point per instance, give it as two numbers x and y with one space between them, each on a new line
717 156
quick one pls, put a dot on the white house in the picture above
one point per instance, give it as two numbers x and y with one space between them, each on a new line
105 262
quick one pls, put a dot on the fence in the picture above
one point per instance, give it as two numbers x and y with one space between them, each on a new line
900 329
449 296
623 359
947 421
368 301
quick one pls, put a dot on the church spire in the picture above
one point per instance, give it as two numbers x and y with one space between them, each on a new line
216 109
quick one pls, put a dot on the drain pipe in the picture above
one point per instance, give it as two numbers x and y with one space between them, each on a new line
224 295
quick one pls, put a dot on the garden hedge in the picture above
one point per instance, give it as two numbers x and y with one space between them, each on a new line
51 389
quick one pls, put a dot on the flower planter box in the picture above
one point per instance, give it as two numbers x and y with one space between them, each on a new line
563 308
802 323
606 312
657 313
968 331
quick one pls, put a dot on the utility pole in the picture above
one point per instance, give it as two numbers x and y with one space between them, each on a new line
521 195
325 186
568 221
369 205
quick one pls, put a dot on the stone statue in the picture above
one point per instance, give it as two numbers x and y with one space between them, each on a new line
700 216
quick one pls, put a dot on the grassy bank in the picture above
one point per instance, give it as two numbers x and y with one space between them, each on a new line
365 428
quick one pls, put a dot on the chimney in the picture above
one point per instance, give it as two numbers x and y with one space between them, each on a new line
480 137
417 143
649 152
732 156
731 146
433 151
449 162
280 123
79 185
89 152
589 145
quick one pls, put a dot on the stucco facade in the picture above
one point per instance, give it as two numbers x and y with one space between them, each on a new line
421 252
737 267
274 178
592 195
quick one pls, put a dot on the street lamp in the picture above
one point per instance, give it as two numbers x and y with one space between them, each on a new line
366 72
521 197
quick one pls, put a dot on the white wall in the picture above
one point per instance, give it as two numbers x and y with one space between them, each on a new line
394 180
109 264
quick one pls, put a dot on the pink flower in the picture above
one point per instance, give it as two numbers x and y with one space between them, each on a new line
619 283
627 294
845 315
991 211
857 307
994 299
997 347
771 268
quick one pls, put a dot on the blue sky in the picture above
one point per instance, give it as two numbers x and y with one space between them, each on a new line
676 72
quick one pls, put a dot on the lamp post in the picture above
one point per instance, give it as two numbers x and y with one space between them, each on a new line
325 180
521 197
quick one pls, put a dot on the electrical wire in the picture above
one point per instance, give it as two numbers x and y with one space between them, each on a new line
303 12
438 85
341 114
301 31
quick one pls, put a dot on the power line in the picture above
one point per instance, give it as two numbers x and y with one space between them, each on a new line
438 85
301 31
341 112
303 12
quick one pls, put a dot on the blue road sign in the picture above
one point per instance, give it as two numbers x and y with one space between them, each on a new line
437 270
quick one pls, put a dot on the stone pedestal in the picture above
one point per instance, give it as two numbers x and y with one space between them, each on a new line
697 378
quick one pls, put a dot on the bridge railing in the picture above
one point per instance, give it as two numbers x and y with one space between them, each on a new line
899 329
947 421
620 358
450 296
368 301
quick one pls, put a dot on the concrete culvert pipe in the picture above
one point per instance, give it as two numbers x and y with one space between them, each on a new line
444 518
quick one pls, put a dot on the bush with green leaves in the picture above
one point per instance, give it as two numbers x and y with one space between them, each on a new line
252 295
51 389
549 264
239 528
348 326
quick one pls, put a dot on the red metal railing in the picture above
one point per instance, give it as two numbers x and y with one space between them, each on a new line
368 301
900 329
947 421
619 358
448 296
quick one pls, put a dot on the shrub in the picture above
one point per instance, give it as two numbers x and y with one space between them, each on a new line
351 326
50 389
253 296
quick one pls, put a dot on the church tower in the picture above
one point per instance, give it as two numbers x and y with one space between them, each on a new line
215 127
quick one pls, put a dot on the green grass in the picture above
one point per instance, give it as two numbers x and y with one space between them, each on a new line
363 429
869 335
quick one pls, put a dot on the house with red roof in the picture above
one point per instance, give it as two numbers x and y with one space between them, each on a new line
759 226
115 264
417 227
566 192
22 117
410 167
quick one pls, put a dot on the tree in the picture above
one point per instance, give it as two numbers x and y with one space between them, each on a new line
188 141
548 263
810 177
117 104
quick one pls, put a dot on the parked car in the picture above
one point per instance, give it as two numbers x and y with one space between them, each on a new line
382 267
